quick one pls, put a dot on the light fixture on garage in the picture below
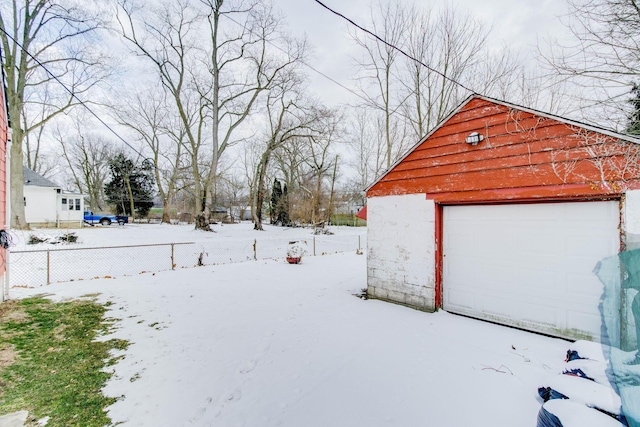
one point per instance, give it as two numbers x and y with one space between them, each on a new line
474 138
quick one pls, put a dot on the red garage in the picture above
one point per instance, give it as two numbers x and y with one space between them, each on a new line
501 213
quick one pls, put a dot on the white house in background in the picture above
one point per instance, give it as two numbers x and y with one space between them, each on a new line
46 204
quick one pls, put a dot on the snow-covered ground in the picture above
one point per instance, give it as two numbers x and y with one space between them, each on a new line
179 246
141 234
264 343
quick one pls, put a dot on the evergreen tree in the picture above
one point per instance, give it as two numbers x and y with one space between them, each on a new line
131 188
283 207
279 207
276 194
633 124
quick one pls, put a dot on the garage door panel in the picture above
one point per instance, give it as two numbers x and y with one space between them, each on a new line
538 310
489 303
529 264
537 249
534 282
582 319
588 247
462 300
582 285
609 211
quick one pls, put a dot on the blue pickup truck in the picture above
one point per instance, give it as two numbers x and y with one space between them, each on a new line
105 219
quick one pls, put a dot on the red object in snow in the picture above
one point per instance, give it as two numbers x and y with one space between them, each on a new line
362 213
294 260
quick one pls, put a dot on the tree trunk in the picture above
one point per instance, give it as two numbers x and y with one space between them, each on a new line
198 197
259 190
18 220
333 183
165 211
257 219
131 201
202 222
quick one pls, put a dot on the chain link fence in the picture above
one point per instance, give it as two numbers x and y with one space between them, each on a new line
34 268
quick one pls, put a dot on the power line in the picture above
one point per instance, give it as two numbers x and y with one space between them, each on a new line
308 65
331 79
377 37
73 95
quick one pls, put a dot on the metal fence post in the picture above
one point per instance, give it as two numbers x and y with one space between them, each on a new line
48 267
173 263
6 283
255 252
314 245
358 243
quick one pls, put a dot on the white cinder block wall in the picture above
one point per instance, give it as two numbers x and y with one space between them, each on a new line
632 219
401 250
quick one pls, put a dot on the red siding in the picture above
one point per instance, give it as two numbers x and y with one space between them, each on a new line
523 157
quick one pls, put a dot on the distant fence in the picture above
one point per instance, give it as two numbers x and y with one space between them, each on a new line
34 268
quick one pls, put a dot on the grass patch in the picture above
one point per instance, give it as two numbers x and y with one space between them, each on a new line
348 220
50 364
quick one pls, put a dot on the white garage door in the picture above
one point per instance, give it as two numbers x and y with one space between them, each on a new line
529 265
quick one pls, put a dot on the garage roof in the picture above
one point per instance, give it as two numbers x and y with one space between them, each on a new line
489 150
569 122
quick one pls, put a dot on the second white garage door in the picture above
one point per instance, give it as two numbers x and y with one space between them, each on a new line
529 265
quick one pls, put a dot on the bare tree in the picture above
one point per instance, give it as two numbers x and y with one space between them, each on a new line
33 146
607 41
289 159
366 143
321 162
603 55
531 87
378 76
232 190
148 115
450 43
54 34
290 116
409 97
214 82
281 109
86 156
165 38
232 98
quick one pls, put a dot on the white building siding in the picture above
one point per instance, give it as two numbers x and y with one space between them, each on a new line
40 206
72 211
401 250
631 218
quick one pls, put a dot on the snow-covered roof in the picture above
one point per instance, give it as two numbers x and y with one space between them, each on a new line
33 178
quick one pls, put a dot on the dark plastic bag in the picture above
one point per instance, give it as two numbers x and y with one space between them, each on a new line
566 413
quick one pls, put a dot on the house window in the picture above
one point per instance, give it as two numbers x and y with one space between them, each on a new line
77 204
64 204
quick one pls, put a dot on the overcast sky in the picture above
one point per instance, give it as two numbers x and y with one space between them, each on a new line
518 24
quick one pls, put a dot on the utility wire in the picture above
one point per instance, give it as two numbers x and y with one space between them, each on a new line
377 37
73 95
308 65
331 79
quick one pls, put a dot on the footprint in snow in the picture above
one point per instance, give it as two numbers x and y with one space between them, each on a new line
201 411
234 396
249 366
